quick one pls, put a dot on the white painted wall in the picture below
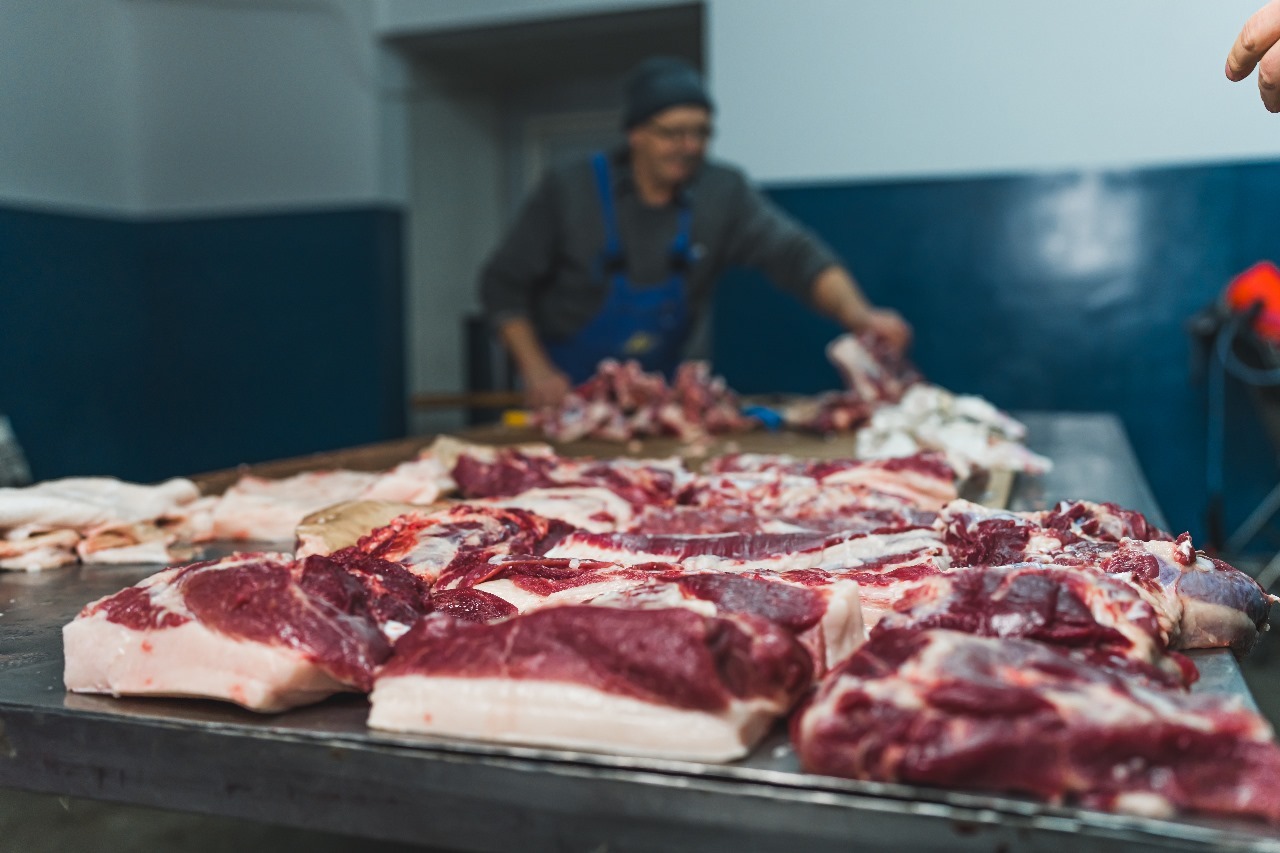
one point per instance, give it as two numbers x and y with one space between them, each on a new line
66 109
206 106
261 105
825 90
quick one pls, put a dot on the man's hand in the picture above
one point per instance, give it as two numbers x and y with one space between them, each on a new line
1256 46
545 387
888 324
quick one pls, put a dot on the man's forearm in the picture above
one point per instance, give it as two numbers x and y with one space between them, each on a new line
838 296
522 342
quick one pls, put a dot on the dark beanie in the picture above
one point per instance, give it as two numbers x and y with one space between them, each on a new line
660 82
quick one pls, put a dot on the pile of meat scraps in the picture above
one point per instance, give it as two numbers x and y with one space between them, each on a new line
634 607
973 434
622 402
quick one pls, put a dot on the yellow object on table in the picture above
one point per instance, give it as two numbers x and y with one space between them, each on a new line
517 418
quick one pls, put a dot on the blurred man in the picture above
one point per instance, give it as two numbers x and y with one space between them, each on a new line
617 256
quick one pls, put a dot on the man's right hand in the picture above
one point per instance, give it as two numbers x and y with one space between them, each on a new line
545 387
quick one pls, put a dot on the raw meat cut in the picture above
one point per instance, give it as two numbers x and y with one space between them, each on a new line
394 597
1034 601
668 682
826 617
1200 602
922 480
1209 603
449 545
246 629
958 711
511 471
871 368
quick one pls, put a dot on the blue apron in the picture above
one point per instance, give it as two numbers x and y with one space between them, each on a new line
648 324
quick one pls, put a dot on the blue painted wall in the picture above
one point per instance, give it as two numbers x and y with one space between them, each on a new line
155 348
1040 292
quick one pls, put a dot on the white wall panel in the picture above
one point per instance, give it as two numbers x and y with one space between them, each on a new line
66 109
264 104
821 90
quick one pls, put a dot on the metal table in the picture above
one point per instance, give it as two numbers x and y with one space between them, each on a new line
320 768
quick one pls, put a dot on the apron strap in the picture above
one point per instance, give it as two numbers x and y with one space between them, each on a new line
604 188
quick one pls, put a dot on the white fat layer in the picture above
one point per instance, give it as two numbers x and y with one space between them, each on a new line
847 554
592 508
429 555
189 661
568 716
39 558
1144 804
83 502
270 510
154 551
842 624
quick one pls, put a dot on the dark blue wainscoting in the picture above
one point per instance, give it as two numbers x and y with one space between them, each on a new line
1040 292
154 348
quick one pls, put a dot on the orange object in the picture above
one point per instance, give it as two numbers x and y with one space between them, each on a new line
1259 283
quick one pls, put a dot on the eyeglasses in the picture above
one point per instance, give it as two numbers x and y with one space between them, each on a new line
696 133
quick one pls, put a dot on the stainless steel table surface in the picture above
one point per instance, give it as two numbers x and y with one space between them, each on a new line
321 768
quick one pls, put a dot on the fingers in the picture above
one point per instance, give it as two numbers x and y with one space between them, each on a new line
1269 80
1260 34
546 389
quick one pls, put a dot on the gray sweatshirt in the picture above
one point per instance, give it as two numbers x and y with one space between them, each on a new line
545 267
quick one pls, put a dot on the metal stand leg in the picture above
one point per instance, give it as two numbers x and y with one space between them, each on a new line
1255 522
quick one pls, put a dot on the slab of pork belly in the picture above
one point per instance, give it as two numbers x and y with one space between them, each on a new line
825 615
244 629
669 683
